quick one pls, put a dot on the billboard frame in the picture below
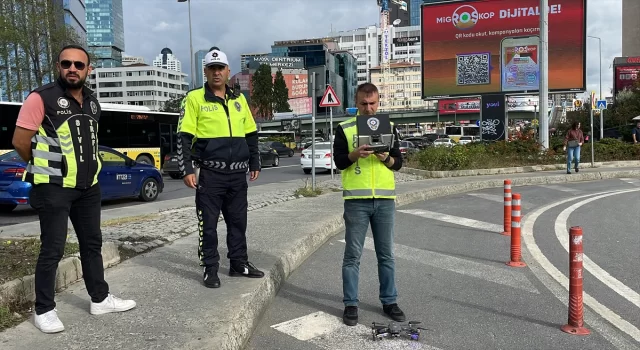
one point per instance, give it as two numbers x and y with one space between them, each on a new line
622 64
505 93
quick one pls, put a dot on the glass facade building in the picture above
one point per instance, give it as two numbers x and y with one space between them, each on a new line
198 62
74 16
348 70
414 9
105 32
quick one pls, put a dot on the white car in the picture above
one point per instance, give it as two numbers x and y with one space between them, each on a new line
443 143
466 139
323 159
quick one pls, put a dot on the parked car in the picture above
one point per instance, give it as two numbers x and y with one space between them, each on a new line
120 177
419 142
443 143
323 158
268 155
407 148
433 137
281 148
170 165
467 139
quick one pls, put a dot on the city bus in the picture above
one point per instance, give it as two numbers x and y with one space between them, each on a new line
143 135
457 131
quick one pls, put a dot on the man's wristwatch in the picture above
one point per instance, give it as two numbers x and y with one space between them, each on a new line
387 160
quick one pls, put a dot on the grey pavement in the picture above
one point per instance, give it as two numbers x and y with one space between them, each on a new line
289 171
451 276
176 312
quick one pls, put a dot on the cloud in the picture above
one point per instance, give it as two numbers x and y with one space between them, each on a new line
251 26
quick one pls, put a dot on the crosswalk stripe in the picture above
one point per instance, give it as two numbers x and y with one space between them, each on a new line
454 220
501 275
328 332
561 188
489 197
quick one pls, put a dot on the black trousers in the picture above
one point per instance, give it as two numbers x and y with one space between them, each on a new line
227 193
55 205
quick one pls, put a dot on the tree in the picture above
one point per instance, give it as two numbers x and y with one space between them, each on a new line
262 91
31 34
173 105
280 94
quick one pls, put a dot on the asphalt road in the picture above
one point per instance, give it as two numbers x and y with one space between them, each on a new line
451 275
288 170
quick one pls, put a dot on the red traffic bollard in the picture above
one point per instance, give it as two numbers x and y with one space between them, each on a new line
507 208
576 310
516 252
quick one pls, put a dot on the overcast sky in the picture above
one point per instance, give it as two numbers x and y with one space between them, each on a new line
251 26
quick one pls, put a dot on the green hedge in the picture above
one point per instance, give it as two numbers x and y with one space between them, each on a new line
501 154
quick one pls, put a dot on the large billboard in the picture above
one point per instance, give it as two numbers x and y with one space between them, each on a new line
479 47
298 84
514 104
626 71
301 106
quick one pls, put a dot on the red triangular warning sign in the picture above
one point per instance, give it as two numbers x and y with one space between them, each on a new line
329 99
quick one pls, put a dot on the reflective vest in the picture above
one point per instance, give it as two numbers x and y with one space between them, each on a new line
219 127
367 177
65 148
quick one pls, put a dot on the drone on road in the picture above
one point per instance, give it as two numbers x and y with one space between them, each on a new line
395 330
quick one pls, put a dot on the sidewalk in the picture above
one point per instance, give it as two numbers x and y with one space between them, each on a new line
176 312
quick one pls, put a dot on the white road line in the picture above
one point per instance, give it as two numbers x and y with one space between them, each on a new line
489 197
561 188
504 276
604 277
455 220
631 181
541 259
280 167
328 332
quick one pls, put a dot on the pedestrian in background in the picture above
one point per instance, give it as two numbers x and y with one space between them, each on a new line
63 167
369 198
572 143
635 134
218 134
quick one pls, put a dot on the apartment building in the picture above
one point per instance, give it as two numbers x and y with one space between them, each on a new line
406 88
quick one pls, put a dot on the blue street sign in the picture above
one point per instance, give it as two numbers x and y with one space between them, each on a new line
477 122
601 104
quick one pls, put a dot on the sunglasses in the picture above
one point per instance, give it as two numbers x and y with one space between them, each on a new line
66 64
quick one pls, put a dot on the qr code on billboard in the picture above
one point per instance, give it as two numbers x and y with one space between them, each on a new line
473 68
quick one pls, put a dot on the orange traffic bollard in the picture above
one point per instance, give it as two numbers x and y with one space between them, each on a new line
516 252
576 310
507 208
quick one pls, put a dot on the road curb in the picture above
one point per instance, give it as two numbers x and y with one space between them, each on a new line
69 271
514 170
256 303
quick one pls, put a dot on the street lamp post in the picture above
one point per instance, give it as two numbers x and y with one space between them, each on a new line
600 96
193 75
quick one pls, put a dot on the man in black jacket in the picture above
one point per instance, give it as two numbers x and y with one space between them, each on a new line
217 132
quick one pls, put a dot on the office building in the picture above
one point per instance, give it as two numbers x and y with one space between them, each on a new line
630 28
105 31
399 9
74 16
246 57
406 85
365 44
138 85
318 57
199 67
167 60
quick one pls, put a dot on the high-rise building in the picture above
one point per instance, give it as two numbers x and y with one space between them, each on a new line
74 16
105 31
405 88
167 60
399 9
138 85
245 57
199 63
630 28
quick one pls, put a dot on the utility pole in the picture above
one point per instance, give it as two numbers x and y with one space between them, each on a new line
544 74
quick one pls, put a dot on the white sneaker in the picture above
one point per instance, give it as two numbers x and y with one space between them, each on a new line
48 322
111 304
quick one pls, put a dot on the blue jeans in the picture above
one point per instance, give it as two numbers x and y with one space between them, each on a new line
573 152
358 214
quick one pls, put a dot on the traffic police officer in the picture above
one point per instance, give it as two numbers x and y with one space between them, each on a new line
218 134
57 134
369 192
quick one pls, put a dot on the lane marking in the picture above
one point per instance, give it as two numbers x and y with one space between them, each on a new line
593 268
455 220
504 276
489 197
631 181
328 332
534 250
561 188
279 167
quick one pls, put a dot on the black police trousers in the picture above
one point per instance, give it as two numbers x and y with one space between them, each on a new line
55 206
226 193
